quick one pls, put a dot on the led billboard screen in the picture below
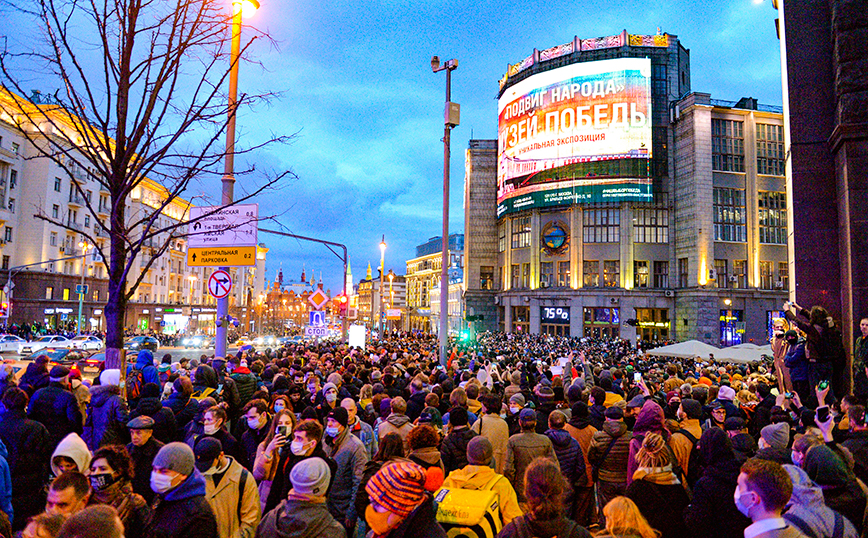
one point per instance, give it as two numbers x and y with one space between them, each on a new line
576 134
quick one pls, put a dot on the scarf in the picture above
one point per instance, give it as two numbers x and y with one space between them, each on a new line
305 497
662 476
336 442
120 496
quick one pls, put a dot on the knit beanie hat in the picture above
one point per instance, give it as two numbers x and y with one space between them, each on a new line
310 476
776 435
399 487
574 393
692 408
544 394
479 451
726 393
339 414
614 412
176 457
518 398
327 386
58 374
515 378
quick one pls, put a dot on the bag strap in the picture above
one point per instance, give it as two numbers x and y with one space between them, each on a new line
802 525
242 483
689 435
596 469
839 526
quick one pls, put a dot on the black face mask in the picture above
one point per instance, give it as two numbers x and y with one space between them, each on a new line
792 343
102 481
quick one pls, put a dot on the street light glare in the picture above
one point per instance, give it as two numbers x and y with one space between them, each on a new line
248 7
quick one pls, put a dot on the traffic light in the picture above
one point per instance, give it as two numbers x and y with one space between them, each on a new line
343 302
4 308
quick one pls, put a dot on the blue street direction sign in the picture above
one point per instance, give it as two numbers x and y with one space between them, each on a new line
81 289
317 318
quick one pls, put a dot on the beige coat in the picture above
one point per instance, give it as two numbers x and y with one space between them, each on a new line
224 499
496 431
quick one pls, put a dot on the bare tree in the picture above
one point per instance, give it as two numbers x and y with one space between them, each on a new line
141 100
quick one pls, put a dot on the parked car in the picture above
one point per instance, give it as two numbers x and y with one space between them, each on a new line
58 355
50 340
200 341
96 360
86 342
9 343
142 342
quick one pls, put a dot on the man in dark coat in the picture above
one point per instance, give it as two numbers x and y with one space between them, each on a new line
56 407
244 379
569 454
29 448
106 417
257 426
165 427
143 449
416 402
453 450
35 376
180 510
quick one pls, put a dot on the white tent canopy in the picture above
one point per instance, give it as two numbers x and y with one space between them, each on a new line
744 353
685 350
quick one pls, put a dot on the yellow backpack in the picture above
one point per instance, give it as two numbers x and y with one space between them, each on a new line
469 513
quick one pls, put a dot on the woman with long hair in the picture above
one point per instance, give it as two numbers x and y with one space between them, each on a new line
651 419
656 490
111 475
624 520
268 452
544 490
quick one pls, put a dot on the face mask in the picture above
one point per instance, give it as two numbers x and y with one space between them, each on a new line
503 415
515 410
160 483
253 423
381 522
331 432
779 333
297 448
744 509
278 407
101 481
331 397
211 429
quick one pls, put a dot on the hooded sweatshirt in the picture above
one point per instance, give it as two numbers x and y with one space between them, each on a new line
300 519
807 504
651 419
841 491
73 447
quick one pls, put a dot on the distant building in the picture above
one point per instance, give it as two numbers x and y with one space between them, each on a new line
423 275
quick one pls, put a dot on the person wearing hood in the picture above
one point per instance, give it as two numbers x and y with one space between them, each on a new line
180 509
656 490
350 455
142 449
597 407
423 441
35 376
165 426
111 473
205 382
229 489
807 511
711 513
650 419
841 490
107 417
303 514
71 454
774 443
478 475
580 428
149 373
244 379
569 455
400 505
397 422
182 406
55 407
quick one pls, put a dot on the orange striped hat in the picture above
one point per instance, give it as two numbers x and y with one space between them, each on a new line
398 487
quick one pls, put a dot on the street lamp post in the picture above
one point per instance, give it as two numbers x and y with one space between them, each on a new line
391 295
382 277
451 119
240 8
84 246
192 279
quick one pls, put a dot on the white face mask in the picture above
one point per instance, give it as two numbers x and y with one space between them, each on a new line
253 423
515 410
331 397
211 429
160 483
297 448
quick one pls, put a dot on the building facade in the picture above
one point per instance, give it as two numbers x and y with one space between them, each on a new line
423 275
698 253
371 303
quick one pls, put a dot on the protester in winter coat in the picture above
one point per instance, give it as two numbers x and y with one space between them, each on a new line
35 376
397 422
80 391
841 491
214 424
453 450
182 405
165 426
608 454
71 454
149 374
111 473
650 419
27 443
524 447
107 417
257 426
423 441
359 427
229 489
544 489
478 475
244 379
55 407
143 449
656 490
180 510
269 451
303 514
391 449
807 511
492 427
712 513
798 364
579 427
400 506
350 455
514 407
569 454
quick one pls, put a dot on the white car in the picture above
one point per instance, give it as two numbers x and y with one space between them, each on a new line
51 340
85 342
9 343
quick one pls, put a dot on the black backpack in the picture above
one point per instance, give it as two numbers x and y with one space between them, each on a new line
694 470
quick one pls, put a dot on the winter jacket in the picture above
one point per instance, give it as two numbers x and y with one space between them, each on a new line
143 458
597 415
57 409
230 445
82 395
228 501
427 457
73 447
399 424
165 427
841 491
496 430
300 519
184 408
287 460
6 484
453 449
476 477
569 454
250 441
712 513
762 415
522 449
528 527
660 504
612 468
246 383
806 503
797 362
350 455
681 445
542 417
182 512
582 431
35 377
415 405
365 433
144 364
27 443
107 418
650 419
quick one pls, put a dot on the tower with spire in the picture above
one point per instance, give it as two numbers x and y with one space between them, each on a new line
368 275
349 277
303 277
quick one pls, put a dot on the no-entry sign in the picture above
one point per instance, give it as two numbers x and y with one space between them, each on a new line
219 284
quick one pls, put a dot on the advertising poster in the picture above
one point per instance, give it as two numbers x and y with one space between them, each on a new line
577 134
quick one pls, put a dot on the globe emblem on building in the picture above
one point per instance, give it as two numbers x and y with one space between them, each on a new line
554 238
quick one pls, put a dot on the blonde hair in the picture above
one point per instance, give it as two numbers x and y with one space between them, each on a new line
623 519
653 452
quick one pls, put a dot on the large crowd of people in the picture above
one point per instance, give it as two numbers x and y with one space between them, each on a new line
515 436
